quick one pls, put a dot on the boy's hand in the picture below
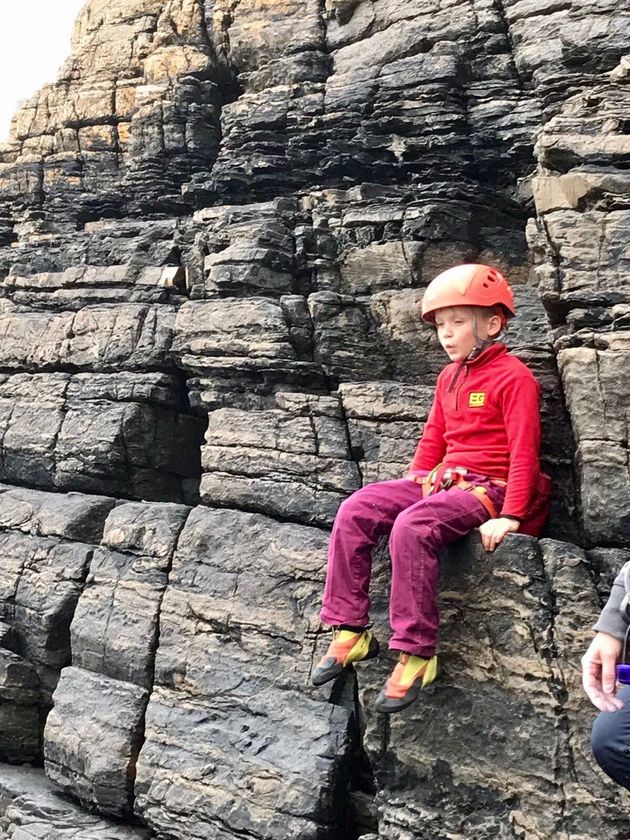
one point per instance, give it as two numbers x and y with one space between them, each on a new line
599 675
493 531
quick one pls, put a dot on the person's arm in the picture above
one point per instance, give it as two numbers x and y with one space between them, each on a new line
521 415
599 672
431 446
599 663
611 620
493 530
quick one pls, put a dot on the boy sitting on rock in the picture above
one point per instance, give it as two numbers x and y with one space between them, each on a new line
476 466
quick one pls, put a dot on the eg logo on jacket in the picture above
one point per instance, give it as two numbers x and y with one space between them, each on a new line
477 399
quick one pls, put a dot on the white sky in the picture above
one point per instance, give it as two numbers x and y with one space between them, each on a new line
34 43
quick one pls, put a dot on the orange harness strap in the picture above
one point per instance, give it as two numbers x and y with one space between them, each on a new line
443 478
482 494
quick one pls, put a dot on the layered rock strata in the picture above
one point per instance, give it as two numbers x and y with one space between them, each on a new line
89 398
219 221
583 196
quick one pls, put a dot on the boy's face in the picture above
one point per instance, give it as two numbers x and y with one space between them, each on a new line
455 330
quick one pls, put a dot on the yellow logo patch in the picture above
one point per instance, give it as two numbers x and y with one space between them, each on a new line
477 399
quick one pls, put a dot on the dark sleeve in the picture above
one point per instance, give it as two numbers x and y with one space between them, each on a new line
431 446
611 621
521 415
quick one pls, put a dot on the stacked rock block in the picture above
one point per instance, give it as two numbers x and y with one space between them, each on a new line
89 399
507 715
30 810
378 92
47 545
19 708
294 459
177 615
234 745
134 112
342 319
579 239
94 732
246 100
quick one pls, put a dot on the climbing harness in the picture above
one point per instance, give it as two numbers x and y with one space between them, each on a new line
443 477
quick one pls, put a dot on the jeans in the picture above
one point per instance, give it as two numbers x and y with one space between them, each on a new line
610 740
418 528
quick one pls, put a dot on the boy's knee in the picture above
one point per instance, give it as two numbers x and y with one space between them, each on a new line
407 525
354 504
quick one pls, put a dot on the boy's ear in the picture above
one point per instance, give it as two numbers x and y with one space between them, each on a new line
495 325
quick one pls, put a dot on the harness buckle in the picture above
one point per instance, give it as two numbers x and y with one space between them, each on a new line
443 478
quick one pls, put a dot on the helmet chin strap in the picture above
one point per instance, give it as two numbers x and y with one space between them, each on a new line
481 343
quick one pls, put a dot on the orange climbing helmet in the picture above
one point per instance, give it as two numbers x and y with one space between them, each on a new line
472 284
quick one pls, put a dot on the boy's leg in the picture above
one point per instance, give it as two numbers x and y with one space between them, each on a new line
361 521
416 539
415 542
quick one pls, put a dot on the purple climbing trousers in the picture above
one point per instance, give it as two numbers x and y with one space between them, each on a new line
418 528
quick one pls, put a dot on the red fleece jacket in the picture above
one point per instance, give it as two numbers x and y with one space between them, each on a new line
487 418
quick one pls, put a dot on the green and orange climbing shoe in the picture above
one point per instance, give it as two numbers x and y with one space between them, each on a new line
409 677
347 646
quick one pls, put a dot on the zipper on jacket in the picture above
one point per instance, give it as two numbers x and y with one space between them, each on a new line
459 388
462 367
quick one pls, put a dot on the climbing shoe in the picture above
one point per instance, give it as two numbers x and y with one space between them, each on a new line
409 677
347 646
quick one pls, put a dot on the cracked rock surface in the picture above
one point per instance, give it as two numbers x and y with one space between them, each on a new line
215 227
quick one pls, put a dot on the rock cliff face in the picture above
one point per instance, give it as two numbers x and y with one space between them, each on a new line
214 230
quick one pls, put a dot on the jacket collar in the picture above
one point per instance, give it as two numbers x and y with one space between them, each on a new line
488 355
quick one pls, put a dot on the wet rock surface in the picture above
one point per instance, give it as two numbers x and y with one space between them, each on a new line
47 542
506 721
30 809
220 722
94 732
214 231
